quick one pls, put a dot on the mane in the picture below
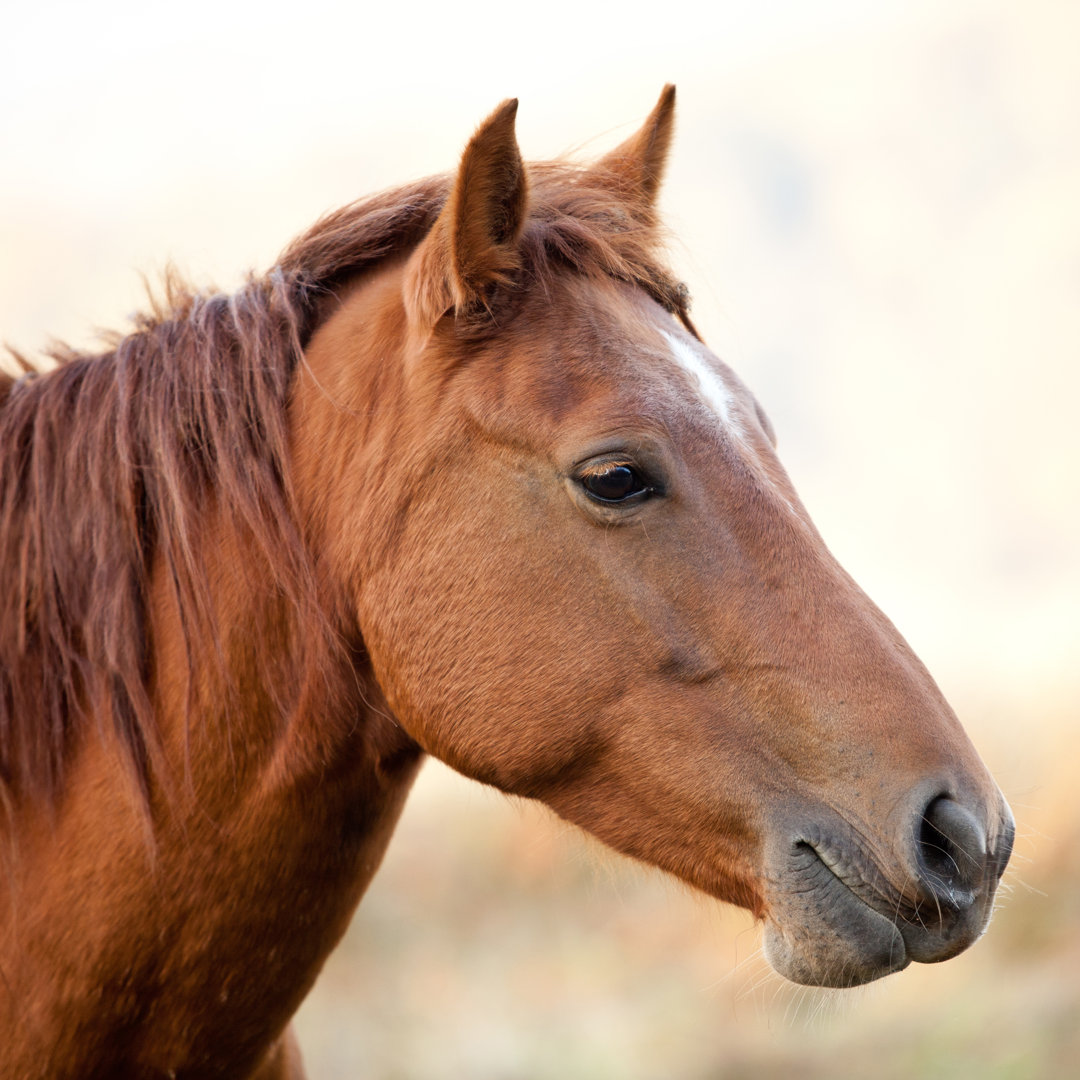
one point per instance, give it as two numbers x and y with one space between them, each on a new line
109 461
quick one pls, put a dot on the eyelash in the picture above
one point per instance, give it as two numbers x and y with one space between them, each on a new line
615 482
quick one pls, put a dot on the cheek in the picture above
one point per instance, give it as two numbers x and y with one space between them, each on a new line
494 653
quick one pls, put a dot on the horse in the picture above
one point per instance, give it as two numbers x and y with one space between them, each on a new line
457 477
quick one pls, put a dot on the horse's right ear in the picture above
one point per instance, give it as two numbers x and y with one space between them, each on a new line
473 245
636 167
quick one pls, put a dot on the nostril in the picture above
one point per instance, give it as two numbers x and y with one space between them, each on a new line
952 850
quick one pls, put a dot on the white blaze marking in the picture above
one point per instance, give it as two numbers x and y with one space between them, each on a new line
722 402
717 396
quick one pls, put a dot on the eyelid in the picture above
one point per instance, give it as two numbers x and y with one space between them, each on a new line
598 468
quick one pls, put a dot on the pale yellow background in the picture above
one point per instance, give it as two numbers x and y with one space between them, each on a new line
877 208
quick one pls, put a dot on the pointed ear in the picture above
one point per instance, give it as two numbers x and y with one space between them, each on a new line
473 245
636 166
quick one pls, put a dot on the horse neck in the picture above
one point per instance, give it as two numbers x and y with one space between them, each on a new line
281 698
283 780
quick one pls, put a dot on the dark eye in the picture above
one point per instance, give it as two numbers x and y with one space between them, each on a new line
614 482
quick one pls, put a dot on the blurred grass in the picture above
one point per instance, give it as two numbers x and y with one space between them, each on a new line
498 943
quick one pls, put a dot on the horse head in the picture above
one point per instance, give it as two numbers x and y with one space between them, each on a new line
582 575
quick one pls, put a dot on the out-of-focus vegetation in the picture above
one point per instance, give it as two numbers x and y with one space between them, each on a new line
498 942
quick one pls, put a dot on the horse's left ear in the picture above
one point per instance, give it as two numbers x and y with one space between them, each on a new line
636 166
473 246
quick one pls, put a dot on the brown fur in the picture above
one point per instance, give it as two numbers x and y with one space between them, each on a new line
113 456
269 549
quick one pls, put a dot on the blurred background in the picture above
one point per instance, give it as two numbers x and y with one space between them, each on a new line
877 209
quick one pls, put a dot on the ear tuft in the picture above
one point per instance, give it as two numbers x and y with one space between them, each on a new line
636 166
473 244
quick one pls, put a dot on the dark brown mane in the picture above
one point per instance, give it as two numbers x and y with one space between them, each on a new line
110 460
575 221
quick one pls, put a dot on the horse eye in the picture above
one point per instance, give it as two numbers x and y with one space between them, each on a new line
615 482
